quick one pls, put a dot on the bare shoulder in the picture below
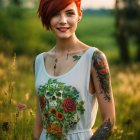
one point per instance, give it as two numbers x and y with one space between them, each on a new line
49 54
99 58
98 54
84 46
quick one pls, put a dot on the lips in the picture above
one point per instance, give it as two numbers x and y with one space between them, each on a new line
62 29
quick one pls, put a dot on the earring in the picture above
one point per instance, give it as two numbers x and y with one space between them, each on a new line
79 20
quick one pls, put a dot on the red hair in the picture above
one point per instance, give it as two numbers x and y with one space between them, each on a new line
48 8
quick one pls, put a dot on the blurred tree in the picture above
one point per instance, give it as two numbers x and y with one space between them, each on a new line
4 3
16 2
127 25
1 3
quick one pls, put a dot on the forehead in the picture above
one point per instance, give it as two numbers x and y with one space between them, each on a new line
71 6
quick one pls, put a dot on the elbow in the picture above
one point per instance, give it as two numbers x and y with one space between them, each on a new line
113 121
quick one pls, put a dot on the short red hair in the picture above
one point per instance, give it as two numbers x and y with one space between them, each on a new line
48 8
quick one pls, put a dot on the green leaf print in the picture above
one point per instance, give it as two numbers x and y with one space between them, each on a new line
59 108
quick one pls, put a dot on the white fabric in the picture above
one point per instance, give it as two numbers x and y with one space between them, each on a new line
79 77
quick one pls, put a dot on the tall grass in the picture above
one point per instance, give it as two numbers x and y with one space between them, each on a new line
16 124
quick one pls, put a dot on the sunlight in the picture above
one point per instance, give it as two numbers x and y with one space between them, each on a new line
109 4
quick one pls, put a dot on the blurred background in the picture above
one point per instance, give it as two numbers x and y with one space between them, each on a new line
113 26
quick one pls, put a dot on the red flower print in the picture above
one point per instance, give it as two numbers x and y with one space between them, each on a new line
69 105
102 71
42 101
100 64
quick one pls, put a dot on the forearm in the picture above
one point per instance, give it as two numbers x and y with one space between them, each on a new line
38 123
104 131
37 132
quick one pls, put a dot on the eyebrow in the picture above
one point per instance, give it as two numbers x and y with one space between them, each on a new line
70 10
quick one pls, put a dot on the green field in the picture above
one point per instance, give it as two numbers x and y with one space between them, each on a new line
25 36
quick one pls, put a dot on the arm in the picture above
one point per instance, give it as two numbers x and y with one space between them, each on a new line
38 123
102 82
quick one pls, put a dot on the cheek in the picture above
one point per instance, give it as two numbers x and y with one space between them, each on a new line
53 22
73 22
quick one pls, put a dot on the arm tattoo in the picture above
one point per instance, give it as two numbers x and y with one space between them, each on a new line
104 132
102 74
76 57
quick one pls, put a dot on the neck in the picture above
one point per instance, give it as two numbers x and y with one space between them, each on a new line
64 45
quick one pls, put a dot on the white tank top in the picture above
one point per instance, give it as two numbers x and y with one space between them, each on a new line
78 77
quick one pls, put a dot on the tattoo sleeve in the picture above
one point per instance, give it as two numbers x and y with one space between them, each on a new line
102 72
103 132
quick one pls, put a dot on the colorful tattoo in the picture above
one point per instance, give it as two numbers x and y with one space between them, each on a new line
104 132
102 74
76 57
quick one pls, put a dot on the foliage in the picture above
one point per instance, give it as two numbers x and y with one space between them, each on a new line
21 32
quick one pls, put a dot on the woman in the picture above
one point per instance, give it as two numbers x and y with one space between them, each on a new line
71 80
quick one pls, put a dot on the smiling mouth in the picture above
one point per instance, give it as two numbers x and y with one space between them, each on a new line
63 29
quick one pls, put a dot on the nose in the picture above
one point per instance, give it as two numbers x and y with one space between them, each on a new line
63 19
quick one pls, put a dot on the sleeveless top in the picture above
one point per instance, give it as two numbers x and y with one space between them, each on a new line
67 108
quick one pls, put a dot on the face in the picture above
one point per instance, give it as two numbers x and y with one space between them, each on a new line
64 23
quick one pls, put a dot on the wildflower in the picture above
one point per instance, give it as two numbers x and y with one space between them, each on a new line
27 96
31 112
13 101
21 106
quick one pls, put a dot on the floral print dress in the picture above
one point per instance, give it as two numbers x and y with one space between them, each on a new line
67 109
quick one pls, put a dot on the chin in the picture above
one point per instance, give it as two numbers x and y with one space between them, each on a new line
63 36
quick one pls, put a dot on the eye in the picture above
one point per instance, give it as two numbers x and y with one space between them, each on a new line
70 13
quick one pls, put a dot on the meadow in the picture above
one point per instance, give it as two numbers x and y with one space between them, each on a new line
23 38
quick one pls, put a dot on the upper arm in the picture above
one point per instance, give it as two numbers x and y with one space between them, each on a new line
34 66
102 82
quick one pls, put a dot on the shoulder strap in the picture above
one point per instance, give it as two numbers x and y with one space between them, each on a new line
37 63
34 66
90 54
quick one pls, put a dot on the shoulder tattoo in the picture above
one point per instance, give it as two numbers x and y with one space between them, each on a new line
76 57
102 73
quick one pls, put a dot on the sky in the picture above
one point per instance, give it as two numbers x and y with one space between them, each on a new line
98 3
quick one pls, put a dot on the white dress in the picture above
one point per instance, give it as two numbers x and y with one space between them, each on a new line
76 81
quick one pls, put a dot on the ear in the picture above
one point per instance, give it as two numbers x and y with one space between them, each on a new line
80 16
